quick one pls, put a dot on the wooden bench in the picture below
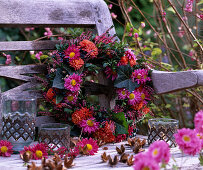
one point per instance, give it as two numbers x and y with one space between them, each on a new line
92 14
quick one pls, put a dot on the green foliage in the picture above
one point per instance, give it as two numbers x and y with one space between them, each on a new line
58 81
121 123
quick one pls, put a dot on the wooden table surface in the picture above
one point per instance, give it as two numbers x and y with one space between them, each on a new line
94 162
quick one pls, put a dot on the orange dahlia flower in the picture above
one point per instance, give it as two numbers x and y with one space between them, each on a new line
76 63
89 47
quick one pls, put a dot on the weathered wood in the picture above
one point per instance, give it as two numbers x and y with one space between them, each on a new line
46 12
28 45
166 82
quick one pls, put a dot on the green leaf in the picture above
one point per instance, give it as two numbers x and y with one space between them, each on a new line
127 84
156 51
68 111
123 80
120 129
59 98
121 123
58 81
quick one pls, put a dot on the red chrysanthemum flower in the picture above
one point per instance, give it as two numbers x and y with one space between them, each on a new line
72 52
5 148
39 151
76 63
89 47
105 134
81 114
91 145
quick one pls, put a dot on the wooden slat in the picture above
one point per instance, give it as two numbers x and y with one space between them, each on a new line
28 45
46 12
166 82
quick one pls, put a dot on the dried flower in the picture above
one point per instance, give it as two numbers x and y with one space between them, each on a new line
88 145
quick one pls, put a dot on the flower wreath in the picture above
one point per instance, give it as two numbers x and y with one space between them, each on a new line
77 60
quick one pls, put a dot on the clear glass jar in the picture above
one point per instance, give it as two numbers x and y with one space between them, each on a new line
162 129
55 134
18 120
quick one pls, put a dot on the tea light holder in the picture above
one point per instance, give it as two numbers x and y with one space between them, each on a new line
18 120
55 134
162 129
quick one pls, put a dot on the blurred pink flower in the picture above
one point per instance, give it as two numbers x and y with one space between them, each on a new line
142 24
38 55
113 15
48 32
110 6
143 161
39 151
136 35
130 9
188 141
189 5
199 121
72 52
160 151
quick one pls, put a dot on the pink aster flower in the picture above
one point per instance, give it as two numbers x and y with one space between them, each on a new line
199 121
122 93
134 97
111 73
71 98
141 76
5 148
26 149
145 161
39 151
91 145
89 125
73 82
72 52
160 151
145 95
188 141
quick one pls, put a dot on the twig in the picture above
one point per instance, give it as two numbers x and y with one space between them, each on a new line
188 29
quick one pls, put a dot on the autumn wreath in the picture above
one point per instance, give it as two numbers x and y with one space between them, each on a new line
72 70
